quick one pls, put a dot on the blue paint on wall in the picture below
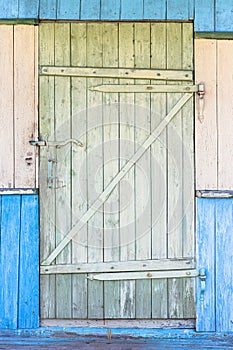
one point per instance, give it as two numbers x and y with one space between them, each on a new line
224 15
208 15
90 9
110 9
19 272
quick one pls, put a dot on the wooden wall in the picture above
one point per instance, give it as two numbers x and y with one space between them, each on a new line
214 141
209 15
19 277
18 107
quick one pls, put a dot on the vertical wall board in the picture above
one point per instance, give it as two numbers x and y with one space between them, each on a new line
48 9
110 9
225 113
224 263
79 193
28 304
224 11
68 9
47 195
131 9
206 231
24 105
90 9
28 9
154 9
204 16
94 162
9 268
8 9
178 9
206 132
6 107
63 194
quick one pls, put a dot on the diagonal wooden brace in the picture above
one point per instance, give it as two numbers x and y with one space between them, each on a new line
125 169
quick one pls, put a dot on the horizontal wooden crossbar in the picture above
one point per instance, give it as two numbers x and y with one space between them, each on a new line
122 73
144 88
122 276
123 266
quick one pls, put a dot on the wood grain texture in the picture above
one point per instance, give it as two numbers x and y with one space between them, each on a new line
9 9
79 161
131 10
224 113
28 9
68 9
28 300
48 9
224 261
6 108
206 133
154 10
25 110
10 236
90 10
125 227
110 9
204 16
223 18
206 236
47 195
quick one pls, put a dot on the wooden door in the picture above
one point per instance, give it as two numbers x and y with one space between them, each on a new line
116 174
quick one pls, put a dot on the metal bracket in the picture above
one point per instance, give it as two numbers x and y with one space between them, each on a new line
53 181
202 276
201 94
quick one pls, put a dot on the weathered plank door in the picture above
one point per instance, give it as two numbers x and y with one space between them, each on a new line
116 174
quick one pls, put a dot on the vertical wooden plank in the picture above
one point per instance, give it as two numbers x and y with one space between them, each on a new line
188 185
142 189
206 226
159 172
111 168
28 304
131 10
6 108
47 195
175 172
90 10
63 166
24 105
224 263
154 10
224 113
204 16
28 8
68 9
127 198
79 168
95 166
178 9
206 132
110 9
10 232
48 9
9 9
223 12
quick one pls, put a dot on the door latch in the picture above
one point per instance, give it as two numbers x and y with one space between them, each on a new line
201 94
202 276
52 180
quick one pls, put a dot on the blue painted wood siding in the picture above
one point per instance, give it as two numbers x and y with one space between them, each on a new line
209 15
19 261
215 254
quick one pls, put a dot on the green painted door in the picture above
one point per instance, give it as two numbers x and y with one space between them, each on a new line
117 171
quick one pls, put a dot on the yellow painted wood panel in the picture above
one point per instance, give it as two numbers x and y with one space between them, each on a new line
132 225
19 105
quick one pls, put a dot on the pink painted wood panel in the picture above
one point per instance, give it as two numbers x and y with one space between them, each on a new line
225 113
6 107
18 108
213 137
206 132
